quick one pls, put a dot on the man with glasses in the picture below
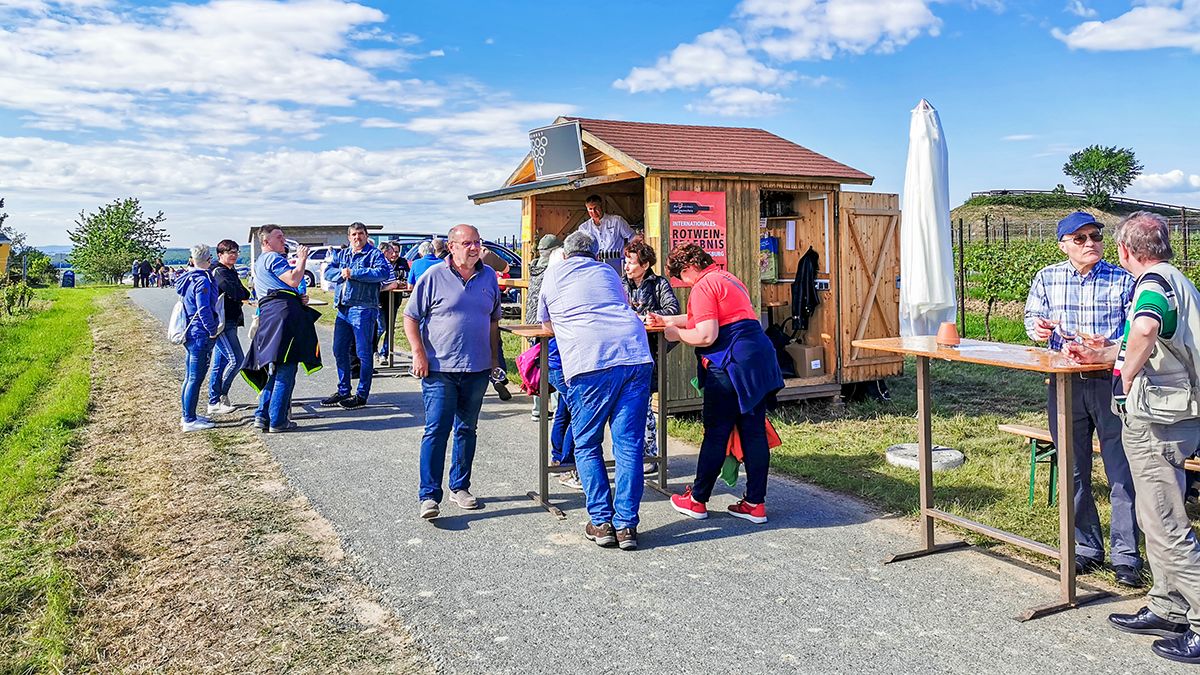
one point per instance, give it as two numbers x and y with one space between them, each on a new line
452 321
1085 297
358 273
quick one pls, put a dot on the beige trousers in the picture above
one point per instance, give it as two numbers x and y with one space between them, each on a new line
1156 453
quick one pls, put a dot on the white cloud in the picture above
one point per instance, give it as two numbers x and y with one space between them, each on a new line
737 102
1150 24
495 126
1019 137
437 52
792 30
1169 182
1079 9
714 58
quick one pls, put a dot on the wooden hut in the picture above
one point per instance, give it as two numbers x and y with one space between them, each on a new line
770 187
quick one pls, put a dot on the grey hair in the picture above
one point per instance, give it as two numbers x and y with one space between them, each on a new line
356 227
201 252
1146 236
580 242
426 248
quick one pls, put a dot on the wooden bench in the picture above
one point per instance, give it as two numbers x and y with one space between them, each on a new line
1041 451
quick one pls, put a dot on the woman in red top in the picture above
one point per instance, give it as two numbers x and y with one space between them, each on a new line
738 374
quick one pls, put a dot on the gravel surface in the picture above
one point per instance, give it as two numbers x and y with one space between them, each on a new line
511 589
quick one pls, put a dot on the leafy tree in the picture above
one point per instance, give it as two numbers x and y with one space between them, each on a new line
1102 172
108 241
40 268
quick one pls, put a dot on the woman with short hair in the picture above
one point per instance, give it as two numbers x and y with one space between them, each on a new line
227 351
738 374
199 297
648 293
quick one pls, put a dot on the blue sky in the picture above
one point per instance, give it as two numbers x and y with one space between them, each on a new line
230 113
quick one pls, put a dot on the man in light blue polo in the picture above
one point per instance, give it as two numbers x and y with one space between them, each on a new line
452 321
358 272
607 367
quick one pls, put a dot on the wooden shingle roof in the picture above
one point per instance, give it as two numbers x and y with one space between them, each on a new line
719 150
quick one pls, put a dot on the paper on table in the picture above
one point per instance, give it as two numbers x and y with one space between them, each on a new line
791 235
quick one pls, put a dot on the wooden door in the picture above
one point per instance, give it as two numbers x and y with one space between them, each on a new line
869 255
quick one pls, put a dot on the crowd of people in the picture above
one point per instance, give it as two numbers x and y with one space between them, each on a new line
146 274
1143 315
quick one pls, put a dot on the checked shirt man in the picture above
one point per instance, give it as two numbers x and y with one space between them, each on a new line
1086 296
359 271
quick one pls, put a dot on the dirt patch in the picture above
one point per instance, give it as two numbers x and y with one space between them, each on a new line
192 553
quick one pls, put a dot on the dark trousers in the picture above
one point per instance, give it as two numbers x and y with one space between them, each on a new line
1091 401
721 414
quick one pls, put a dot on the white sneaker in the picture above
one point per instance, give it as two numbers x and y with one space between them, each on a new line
571 480
220 409
225 401
429 509
202 418
464 499
199 425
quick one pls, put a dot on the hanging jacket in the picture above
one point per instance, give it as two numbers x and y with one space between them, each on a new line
286 334
743 351
199 297
805 297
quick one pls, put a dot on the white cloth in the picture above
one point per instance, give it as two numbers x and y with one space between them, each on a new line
612 233
926 260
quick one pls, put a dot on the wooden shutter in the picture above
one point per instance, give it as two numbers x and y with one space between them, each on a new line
870 267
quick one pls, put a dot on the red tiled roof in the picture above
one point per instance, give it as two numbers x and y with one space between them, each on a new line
678 147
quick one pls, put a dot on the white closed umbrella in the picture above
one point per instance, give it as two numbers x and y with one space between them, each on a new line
926 259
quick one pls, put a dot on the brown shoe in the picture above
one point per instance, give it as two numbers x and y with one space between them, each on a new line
602 534
627 538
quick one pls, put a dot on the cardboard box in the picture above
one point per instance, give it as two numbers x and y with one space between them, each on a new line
809 359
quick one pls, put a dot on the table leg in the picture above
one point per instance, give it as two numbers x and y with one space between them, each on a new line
1067 596
661 381
925 469
391 328
542 496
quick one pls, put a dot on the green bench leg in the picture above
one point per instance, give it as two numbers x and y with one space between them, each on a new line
1048 454
1032 468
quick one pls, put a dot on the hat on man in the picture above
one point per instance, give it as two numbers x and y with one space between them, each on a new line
549 242
1073 222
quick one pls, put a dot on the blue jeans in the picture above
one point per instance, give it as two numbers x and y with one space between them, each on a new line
227 360
562 441
199 353
275 401
617 396
1091 401
721 414
381 330
354 325
452 402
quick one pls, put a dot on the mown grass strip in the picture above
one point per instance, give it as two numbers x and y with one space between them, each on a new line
45 383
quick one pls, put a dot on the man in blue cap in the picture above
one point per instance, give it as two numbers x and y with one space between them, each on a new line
1085 297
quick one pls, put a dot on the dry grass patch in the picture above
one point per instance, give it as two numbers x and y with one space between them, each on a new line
192 553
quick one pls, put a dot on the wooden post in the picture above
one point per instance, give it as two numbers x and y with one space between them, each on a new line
925 450
962 283
1183 219
1066 488
987 230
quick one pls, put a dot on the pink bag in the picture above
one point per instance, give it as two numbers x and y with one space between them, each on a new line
527 368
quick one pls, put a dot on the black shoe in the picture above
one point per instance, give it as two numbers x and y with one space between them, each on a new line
336 399
352 402
627 538
1184 648
1146 622
502 390
287 427
260 424
1088 565
1129 577
602 534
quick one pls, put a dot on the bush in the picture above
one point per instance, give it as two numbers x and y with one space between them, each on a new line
16 298
999 272
1052 200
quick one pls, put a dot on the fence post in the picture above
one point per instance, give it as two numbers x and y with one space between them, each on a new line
962 283
987 230
1183 221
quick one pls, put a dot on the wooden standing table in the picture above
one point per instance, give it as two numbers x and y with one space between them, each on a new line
544 467
1038 360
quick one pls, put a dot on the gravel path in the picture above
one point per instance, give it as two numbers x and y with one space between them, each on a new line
510 589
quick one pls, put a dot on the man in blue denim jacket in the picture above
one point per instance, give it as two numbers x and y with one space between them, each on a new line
358 272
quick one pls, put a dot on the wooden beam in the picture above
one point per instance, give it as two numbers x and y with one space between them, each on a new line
573 185
614 153
827 182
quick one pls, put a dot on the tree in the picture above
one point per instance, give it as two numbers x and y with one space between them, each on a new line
1102 172
108 241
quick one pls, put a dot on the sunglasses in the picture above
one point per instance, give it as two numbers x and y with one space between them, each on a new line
1081 239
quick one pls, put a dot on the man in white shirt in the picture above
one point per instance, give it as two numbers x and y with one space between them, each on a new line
610 231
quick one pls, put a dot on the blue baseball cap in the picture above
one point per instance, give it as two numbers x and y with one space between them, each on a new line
1075 221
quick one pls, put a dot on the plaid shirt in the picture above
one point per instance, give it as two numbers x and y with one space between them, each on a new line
1094 303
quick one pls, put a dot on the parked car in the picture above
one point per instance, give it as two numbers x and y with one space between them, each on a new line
318 259
507 254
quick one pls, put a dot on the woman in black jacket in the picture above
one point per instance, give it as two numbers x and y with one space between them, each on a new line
648 292
227 354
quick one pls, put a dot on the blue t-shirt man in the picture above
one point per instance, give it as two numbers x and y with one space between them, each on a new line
267 269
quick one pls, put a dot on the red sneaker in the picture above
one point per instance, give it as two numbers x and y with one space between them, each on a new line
755 514
689 507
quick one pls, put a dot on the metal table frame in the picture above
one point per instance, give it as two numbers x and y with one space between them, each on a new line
1034 359
544 468
390 319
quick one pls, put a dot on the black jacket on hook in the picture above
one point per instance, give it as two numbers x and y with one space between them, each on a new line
804 289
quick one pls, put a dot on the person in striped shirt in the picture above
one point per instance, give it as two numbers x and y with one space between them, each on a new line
1156 366
1085 296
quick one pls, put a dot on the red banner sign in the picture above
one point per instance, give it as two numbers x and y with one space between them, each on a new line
699 218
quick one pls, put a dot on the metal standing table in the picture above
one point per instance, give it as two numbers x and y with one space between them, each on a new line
544 467
391 327
1039 360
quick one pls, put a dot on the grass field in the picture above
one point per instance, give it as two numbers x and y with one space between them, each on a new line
45 383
